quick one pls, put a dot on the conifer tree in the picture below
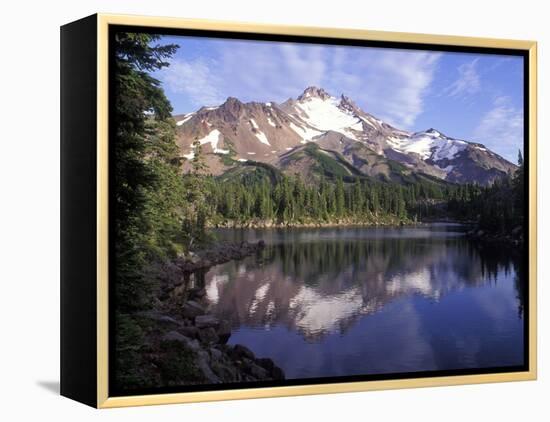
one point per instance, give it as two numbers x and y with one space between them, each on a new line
146 164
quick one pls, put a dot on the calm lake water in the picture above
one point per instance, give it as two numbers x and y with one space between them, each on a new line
349 301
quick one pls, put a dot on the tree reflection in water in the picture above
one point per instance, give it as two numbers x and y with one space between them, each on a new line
322 283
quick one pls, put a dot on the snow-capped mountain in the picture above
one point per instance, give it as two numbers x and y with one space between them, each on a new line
266 132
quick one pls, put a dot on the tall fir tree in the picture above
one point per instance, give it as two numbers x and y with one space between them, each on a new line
145 164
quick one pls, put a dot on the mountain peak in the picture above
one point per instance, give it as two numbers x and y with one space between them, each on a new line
314 92
347 103
434 132
232 100
233 106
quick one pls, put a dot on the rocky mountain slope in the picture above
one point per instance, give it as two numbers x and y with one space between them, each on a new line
235 132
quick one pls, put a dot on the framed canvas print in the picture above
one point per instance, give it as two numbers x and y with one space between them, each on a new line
254 211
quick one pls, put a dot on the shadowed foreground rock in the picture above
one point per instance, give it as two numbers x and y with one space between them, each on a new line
222 363
184 343
194 351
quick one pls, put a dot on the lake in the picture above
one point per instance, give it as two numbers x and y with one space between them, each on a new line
350 301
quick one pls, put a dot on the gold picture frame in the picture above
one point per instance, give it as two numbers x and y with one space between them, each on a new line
101 22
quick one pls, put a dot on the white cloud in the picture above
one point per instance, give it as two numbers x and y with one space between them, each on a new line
468 82
391 84
195 79
271 71
501 128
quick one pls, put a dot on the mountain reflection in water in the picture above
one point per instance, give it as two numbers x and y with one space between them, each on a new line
345 301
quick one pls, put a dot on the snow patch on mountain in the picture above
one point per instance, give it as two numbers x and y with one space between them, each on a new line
307 134
262 138
325 114
186 118
212 138
259 134
430 144
367 121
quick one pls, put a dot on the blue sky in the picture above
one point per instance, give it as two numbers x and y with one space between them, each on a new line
468 96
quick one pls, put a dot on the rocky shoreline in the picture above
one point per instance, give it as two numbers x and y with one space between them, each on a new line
217 254
194 346
186 343
514 237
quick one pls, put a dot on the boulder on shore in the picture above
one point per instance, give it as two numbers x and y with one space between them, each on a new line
205 321
208 335
192 309
224 331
